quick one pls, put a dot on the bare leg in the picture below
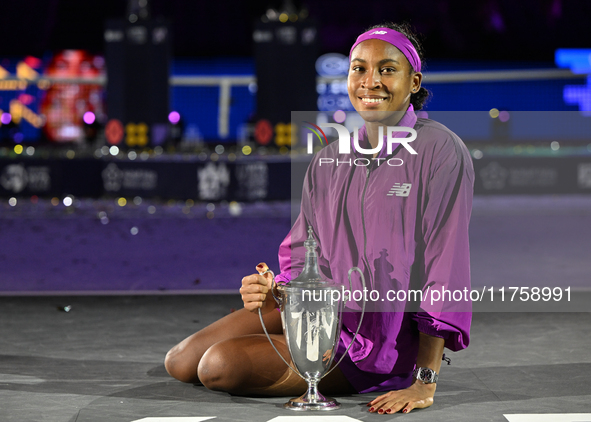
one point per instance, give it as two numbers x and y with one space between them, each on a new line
182 360
248 365
233 355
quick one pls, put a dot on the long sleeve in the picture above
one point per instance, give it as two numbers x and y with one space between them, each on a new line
445 262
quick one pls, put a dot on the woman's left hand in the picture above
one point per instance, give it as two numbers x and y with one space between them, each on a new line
419 395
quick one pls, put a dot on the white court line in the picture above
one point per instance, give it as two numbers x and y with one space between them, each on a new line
549 417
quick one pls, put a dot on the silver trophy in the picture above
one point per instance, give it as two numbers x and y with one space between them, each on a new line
311 310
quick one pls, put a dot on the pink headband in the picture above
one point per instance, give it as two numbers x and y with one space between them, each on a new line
395 38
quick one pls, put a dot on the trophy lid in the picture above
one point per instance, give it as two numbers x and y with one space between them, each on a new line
310 277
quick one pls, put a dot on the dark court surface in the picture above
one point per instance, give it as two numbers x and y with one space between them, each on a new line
102 361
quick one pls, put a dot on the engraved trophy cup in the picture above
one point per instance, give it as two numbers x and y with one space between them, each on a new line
311 318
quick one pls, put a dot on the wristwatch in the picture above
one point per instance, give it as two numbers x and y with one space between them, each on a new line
428 376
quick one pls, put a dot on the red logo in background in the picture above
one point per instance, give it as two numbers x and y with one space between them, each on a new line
263 132
114 132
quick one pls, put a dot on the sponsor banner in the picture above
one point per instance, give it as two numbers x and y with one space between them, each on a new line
249 180
205 181
260 180
532 175
50 178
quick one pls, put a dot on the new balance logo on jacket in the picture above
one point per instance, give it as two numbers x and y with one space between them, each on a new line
400 189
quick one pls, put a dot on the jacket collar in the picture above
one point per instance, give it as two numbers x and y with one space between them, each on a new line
408 120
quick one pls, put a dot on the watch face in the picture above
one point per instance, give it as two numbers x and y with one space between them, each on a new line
425 374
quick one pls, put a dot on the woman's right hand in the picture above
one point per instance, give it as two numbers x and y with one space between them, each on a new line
256 290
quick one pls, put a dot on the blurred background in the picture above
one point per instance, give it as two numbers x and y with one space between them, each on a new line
146 145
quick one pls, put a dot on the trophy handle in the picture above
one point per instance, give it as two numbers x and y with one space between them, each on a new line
272 344
360 319
273 284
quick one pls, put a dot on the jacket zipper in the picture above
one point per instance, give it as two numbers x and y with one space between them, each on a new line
364 231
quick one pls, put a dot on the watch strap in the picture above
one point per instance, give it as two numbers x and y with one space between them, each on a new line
433 376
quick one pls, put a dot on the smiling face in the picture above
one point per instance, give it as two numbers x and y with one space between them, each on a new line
380 81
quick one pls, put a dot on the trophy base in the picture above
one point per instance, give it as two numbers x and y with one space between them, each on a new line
318 403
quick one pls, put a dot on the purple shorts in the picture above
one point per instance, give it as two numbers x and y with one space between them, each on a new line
367 382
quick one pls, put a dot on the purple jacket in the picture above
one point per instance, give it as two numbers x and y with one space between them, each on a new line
406 227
